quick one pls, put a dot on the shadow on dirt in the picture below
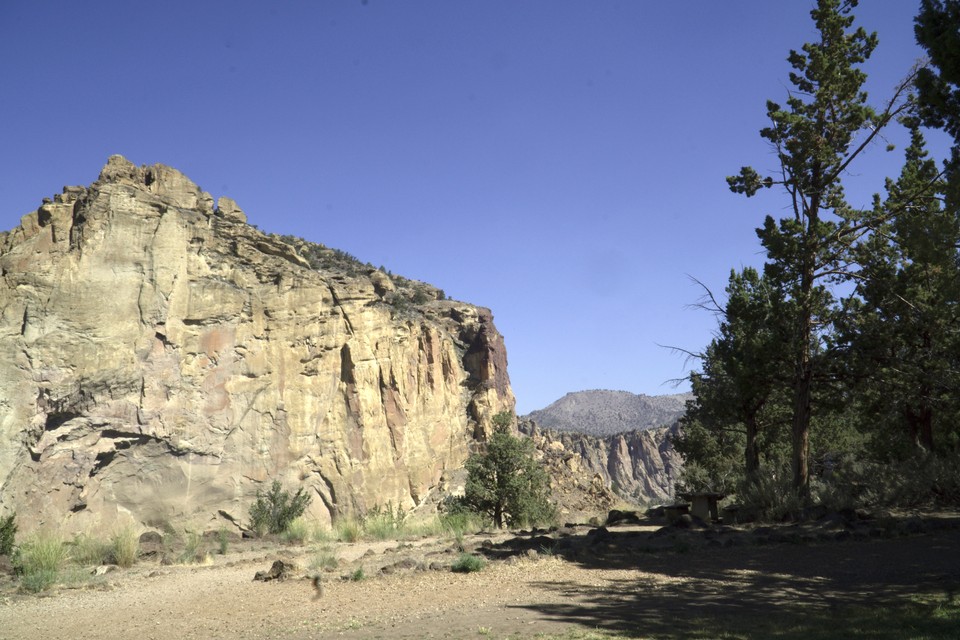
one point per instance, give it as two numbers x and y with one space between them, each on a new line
831 579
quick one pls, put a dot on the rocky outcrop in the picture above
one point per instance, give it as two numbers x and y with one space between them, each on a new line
161 360
640 466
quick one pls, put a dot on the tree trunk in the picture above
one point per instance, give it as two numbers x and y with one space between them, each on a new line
920 423
752 450
801 430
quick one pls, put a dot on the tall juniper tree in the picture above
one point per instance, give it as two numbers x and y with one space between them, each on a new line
825 125
903 329
733 420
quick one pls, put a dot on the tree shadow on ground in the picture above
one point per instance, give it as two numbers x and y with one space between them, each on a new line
875 588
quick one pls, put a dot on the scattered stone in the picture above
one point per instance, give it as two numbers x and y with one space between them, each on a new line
280 571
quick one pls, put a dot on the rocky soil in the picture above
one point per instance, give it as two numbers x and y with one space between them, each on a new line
638 578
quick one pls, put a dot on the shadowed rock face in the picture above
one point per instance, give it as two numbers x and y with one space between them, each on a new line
160 360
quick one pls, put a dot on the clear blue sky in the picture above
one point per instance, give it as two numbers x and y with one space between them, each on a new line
560 162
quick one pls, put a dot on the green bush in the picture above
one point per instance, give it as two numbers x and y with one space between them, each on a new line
467 563
8 532
276 509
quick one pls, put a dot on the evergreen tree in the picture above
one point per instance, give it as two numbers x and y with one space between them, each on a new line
738 406
937 28
904 332
505 482
824 127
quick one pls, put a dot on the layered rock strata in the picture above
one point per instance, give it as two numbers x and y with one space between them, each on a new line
161 360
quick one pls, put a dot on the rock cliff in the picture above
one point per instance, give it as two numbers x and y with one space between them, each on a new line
640 466
161 360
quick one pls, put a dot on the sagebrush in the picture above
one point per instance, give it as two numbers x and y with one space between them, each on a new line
276 509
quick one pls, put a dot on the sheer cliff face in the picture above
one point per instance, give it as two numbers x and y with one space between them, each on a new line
160 360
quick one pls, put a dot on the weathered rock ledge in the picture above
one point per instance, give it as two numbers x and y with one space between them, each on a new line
160 360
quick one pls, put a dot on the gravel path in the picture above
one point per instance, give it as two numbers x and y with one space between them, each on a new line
636 594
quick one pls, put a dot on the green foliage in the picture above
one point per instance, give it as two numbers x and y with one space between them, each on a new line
358 575
384 522
938 85
194 549
223 540
850 388
348 530
900 329
38 561
276 509
467 563
505 483
324 559
297 532
86 550
124 547
322 258
8 533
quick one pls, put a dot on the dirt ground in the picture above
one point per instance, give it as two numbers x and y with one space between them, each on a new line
638 581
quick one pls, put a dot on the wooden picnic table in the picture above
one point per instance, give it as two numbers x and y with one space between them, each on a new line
703 505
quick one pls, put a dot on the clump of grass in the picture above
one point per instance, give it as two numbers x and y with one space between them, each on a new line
468 563
86 550
124 547
385 522
39 560
324 560
358 575
223 540
194 550
297 532
348 530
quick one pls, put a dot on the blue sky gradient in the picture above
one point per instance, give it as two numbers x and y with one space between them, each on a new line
560 162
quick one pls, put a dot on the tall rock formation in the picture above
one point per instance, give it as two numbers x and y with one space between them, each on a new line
641 466
161 360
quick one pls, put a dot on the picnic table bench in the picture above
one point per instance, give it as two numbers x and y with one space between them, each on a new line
703 505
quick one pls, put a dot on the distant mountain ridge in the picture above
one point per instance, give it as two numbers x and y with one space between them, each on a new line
601 412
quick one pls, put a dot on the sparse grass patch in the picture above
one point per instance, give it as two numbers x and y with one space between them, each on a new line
468 563
324 560
385 523
38 561
223 540
194 550
86 550
358 575
124 547
348 530
297 532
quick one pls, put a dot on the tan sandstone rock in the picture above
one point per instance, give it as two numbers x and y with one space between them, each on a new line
159 364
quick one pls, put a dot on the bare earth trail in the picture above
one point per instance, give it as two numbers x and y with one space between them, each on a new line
664 594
